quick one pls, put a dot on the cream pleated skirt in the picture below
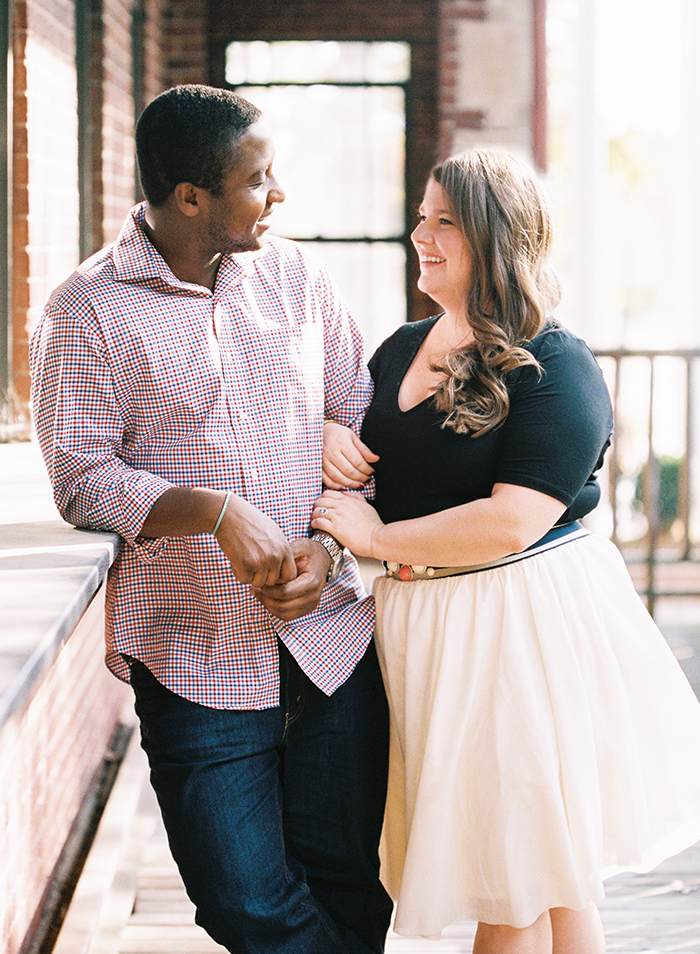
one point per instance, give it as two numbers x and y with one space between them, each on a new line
543 738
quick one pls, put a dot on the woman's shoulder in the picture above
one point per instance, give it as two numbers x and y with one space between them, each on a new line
567 366
410 331
406 338
556 339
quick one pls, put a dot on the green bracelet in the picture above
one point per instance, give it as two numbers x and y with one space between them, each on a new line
221 515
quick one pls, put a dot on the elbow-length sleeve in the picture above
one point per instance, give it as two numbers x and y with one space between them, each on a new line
560 423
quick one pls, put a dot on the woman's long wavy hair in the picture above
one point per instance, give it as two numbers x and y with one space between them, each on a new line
503 212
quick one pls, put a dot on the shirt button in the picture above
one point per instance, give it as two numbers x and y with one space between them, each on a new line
253 475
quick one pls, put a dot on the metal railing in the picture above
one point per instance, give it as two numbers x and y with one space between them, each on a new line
663 555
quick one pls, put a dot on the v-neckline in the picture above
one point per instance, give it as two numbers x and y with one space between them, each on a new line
408 367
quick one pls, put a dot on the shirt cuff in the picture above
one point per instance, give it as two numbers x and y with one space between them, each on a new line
139 496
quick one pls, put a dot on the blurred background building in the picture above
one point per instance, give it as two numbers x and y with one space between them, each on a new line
364 96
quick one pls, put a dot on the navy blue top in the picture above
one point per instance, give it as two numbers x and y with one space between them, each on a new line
553 439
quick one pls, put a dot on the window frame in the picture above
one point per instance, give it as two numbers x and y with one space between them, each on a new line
402 238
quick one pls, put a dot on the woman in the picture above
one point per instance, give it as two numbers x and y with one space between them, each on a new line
543 735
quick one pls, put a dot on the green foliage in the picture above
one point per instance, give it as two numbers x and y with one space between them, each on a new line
668 471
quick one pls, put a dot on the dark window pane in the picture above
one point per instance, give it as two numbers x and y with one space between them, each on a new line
337 112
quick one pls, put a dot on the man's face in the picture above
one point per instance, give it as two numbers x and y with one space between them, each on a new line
236 220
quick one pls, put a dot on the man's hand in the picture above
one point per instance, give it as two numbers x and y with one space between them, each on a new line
256 548
291 600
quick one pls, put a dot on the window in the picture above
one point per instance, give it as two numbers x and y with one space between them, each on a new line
338 112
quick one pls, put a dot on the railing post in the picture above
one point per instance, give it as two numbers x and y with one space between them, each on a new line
614 458
680 550
684 477
651 498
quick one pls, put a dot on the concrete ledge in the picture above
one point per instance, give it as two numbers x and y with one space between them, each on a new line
49 572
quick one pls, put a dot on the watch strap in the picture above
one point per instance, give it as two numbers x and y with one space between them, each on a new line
335 551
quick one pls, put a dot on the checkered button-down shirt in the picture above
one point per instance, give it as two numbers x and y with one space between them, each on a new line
142 382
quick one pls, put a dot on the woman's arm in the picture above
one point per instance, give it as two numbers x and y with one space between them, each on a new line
509 521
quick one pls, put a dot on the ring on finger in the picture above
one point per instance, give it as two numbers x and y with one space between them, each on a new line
322 510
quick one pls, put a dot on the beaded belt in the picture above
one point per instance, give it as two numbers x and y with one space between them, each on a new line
553 538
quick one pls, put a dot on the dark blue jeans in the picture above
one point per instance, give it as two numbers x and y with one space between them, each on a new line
273 816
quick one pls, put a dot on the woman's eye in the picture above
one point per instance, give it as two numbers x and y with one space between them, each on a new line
445 222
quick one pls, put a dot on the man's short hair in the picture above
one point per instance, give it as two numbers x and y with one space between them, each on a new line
186 134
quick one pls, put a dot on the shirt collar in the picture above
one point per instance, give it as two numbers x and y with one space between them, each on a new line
136 259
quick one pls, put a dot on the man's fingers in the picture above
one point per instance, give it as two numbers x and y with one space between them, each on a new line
288 570
280 572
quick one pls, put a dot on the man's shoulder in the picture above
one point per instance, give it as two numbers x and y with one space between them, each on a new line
279 251
123 260
87 279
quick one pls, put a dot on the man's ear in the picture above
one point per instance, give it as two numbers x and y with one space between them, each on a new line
187 198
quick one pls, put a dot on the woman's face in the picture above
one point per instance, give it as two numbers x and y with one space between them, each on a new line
443 252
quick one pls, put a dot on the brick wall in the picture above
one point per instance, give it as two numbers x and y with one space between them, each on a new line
49 755
45 235
117 120
153 79
185 28
455 17
475 76
488 79
45 227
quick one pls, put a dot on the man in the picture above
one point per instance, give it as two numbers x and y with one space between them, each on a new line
180 382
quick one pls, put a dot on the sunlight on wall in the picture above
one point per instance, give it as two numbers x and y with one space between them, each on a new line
624 110
53 201
615 70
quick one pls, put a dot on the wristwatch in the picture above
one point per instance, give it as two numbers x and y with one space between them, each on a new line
335 551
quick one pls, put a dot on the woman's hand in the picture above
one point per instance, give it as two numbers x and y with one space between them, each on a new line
346 460
349 518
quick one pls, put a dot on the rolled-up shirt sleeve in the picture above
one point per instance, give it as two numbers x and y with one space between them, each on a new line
142 382
80 430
